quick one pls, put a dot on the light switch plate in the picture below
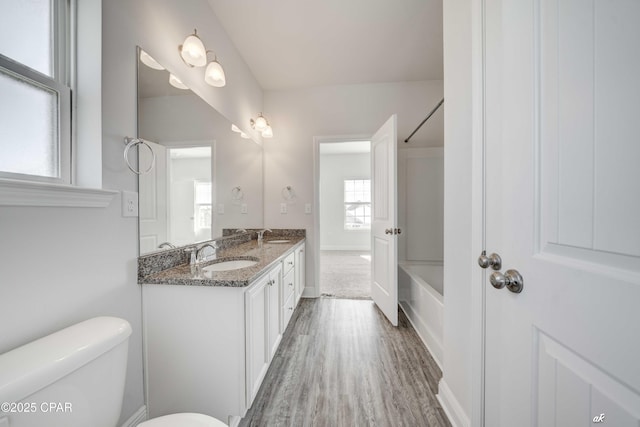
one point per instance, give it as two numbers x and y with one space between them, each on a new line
307 208
243 208
283 208
129 204
220 208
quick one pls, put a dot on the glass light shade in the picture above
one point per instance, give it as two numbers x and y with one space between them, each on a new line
214 74
149 61
193 52
235 128
268 132
260 123
244 135
175 82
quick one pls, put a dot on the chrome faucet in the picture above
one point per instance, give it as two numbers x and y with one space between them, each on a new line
241 230
166 244
261 234
213 246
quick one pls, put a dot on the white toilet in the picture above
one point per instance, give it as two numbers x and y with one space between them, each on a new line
75 378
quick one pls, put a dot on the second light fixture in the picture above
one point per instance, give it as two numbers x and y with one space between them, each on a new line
262 125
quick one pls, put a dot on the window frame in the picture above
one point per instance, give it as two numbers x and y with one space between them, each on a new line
59 83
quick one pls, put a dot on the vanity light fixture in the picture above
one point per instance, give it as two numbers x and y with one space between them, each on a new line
262 125
192 51
149 61
214 74
259 124
175 82
235 128
268 132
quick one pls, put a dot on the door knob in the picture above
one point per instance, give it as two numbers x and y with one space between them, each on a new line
512 279
388 231
494 261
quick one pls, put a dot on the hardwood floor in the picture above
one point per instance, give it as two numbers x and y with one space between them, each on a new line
341 363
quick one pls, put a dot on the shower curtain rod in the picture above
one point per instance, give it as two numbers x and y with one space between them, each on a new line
425 120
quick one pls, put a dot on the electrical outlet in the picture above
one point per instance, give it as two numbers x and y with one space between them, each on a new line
220 208
307 208
244 209
283 208
129 204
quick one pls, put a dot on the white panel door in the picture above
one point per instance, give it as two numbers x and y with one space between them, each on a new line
563 209
384 251
153 193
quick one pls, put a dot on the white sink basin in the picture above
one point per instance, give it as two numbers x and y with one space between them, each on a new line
278 241
234 264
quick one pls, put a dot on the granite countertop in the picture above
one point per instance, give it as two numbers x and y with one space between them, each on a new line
267 255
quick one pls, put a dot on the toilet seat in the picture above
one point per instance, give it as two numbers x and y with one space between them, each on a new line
185 419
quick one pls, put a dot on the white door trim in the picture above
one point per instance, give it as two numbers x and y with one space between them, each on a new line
478 279
314 291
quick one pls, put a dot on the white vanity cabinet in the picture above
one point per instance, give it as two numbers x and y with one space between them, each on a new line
300 273
288 287
208 348
263 334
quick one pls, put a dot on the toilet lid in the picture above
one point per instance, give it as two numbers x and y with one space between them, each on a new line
183 420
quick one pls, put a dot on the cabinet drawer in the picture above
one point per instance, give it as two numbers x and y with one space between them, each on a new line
288 285
287 310
289 262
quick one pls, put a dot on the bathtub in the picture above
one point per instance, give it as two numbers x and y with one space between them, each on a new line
420 295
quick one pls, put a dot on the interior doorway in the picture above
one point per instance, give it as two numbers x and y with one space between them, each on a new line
345 219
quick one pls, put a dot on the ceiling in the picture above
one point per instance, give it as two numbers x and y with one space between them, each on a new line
291 44
346 147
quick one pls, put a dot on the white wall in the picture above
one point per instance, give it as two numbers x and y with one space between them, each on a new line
59 266
334 169
421 204
299 115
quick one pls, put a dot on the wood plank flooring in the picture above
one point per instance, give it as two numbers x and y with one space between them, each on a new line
341 363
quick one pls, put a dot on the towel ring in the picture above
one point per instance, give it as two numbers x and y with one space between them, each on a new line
132 142
236 193
288 193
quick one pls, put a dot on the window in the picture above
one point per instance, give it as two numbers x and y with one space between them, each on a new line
357 204
202 208
35 106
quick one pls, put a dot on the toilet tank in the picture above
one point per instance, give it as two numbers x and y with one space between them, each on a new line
71 378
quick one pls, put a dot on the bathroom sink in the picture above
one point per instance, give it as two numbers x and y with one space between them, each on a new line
232 264
278 241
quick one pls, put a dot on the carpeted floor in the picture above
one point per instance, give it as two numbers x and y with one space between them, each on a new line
345 274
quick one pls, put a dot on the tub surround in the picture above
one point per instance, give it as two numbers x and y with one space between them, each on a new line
172 267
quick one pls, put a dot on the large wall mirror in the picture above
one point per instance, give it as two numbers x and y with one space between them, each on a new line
206 177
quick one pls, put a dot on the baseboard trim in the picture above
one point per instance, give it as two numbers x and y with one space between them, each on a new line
139 416
451 406
435 349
